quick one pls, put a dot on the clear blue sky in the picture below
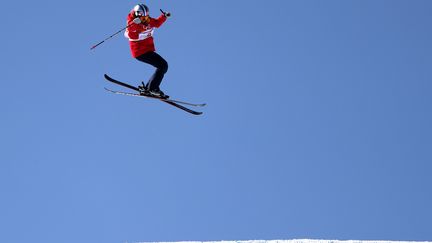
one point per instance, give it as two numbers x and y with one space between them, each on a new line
318 123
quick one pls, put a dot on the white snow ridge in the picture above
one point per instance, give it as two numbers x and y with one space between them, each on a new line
297 241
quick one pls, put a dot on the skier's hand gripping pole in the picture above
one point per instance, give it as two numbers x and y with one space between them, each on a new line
167 14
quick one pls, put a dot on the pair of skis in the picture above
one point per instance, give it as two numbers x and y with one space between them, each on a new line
176 103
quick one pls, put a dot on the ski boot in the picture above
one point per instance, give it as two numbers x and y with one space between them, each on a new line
143 89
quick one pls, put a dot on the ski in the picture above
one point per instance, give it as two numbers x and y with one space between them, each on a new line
174 103
143 95
152 97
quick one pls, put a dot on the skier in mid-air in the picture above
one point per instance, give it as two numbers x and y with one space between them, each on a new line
139 30
140 34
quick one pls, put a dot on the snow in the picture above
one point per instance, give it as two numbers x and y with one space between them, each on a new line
297 241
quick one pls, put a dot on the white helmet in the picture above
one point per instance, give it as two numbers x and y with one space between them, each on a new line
141 10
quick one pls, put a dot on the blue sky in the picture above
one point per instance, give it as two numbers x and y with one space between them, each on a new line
318 123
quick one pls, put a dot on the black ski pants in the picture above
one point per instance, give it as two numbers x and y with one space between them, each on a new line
159 63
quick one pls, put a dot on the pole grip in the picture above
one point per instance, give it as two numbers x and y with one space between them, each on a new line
165 13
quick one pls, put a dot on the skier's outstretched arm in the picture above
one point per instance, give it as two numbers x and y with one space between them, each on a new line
160 20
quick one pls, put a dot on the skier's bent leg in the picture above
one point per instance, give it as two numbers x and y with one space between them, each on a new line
161 66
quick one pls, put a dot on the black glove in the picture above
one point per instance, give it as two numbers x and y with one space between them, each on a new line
166 14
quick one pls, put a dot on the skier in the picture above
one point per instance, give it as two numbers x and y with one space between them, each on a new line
140 34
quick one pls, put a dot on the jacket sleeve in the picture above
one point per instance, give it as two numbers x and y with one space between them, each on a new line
133 30
158 22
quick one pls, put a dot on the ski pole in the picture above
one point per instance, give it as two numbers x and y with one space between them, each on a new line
93 47
165 13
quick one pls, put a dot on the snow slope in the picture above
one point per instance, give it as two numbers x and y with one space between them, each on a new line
296 241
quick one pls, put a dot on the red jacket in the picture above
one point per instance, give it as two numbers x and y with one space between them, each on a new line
141 36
